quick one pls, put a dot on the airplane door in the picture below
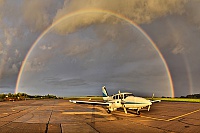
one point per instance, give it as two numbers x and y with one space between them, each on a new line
118 102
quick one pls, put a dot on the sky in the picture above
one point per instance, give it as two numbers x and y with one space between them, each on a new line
77 52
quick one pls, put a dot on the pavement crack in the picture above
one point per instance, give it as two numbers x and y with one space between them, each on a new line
47 124
92 125
187 123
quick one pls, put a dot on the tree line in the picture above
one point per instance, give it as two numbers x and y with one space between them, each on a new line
191 96
24 96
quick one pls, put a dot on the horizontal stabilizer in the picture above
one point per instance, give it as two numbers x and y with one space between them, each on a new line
155 101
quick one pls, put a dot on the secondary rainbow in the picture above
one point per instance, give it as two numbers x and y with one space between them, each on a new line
79 12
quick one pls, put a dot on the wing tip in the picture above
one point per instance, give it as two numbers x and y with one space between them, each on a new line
71 101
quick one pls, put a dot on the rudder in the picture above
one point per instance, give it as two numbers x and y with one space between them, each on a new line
104 91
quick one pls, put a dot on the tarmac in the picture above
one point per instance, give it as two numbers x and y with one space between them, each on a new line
61 116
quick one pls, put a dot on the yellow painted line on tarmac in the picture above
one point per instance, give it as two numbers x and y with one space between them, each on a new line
153 118
183 115
171 119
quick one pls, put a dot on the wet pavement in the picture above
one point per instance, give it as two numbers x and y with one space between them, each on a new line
60 116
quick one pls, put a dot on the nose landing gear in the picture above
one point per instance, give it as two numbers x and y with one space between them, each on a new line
108 111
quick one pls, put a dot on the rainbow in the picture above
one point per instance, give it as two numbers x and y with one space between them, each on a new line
79 12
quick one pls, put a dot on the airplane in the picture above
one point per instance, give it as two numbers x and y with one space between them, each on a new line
124 100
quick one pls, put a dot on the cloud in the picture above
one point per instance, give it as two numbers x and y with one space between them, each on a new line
39 14
177 37
1 5
17 54
9 34
34 65
1 48
193 12
65 82
140 11
14 68
44 47
4 86
2 2
178 49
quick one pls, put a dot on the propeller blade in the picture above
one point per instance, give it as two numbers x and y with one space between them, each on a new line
152 96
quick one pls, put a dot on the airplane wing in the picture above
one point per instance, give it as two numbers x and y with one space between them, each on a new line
88 102
155 101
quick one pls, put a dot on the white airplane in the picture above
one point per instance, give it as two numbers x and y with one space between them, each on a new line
124 100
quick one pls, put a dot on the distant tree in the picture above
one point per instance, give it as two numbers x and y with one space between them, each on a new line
10 95
2 96
193 96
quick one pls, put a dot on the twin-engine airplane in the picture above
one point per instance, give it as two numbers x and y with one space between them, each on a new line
124 100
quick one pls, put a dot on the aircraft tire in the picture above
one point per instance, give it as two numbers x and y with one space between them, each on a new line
108 111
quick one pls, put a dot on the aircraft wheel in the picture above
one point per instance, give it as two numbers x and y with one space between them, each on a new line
138 112
108 111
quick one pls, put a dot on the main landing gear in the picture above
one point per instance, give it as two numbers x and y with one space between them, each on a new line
138 112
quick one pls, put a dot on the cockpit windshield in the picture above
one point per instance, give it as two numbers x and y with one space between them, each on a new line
127 95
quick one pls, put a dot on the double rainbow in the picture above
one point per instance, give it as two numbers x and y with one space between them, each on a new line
94 11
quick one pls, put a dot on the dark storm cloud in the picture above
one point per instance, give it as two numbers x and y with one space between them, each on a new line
92 57
173 25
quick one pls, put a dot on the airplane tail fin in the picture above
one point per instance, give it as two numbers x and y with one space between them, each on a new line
104 91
